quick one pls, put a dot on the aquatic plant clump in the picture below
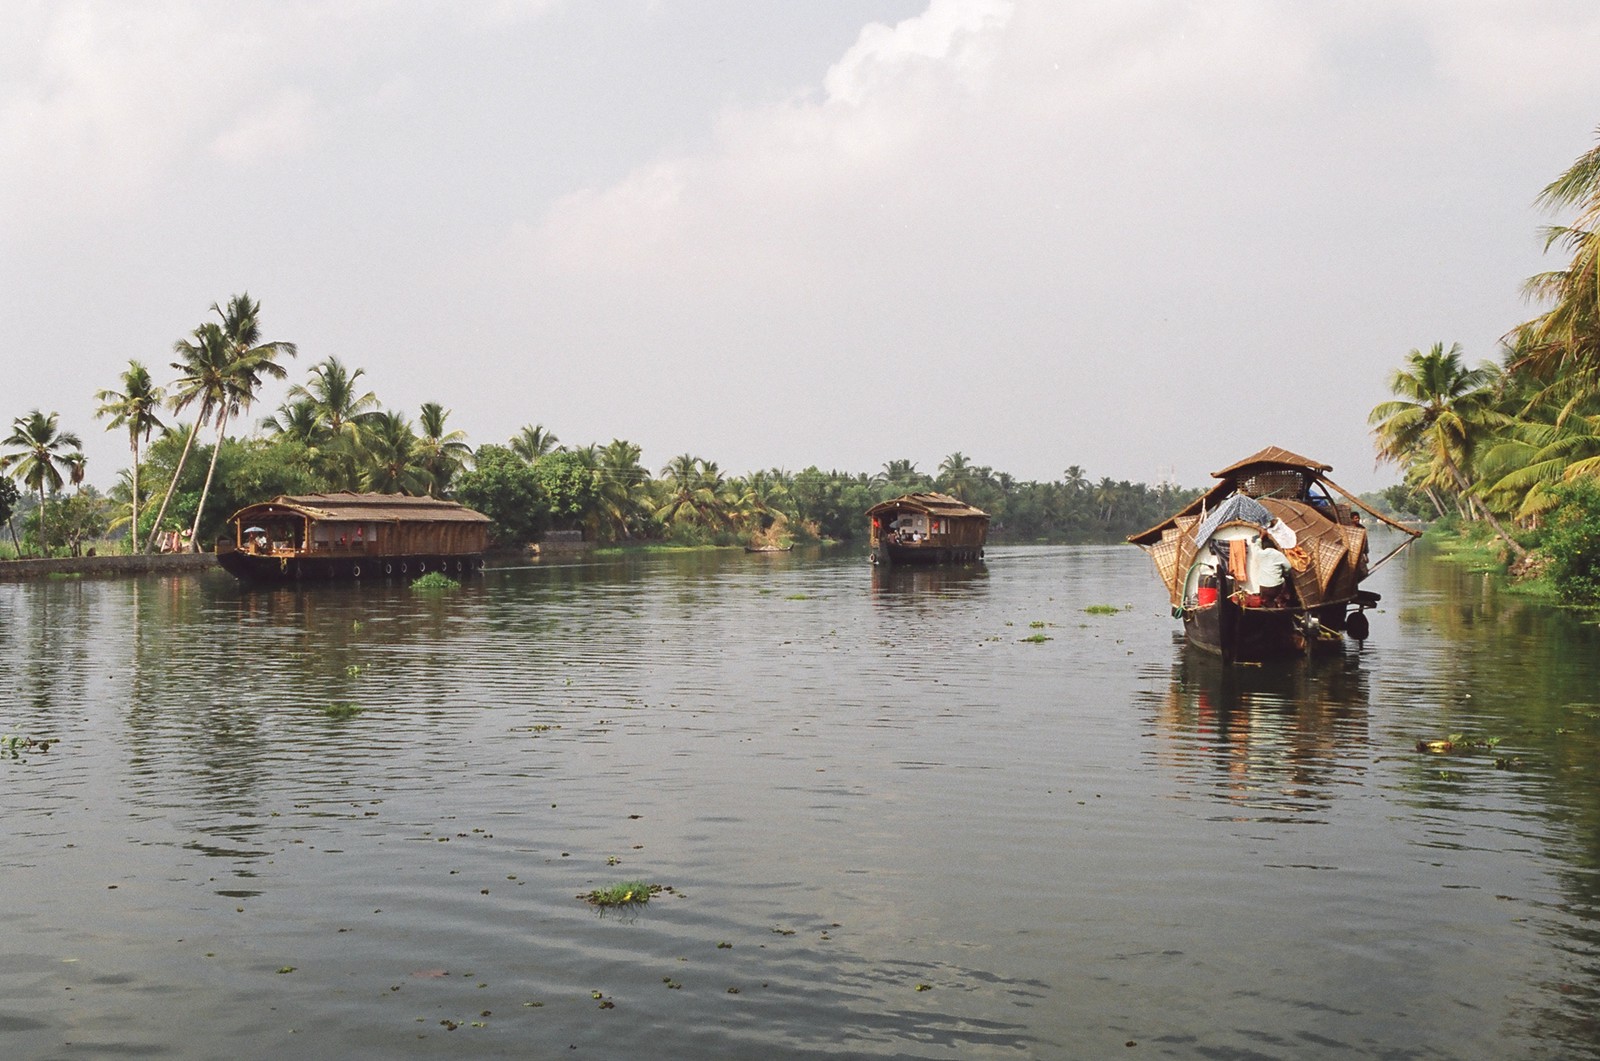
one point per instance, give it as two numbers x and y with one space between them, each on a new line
435 581
342 710
627 893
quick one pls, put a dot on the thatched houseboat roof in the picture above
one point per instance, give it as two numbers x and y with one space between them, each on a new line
347 507
942 506
1255 476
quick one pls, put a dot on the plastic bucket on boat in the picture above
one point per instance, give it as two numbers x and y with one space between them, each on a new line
1206 595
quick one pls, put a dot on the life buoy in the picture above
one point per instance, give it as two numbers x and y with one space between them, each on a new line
402 567
458 567
388 569
422 566
356 571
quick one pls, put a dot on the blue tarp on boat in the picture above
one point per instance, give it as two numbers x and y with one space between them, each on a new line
1237 508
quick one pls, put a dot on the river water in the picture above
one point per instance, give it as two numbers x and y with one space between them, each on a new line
886 822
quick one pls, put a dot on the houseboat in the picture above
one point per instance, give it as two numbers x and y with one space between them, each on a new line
352 536
927 529
1269 562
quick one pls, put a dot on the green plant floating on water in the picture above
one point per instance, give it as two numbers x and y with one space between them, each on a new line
628 893
435 581
798 596
342 710
1102 609
12 745
1036 639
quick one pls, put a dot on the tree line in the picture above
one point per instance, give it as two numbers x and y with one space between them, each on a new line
331 433
1513 445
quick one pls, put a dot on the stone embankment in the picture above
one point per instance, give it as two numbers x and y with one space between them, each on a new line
105 566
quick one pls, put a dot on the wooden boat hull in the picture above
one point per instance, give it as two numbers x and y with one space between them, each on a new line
251 567
1240 634
887 552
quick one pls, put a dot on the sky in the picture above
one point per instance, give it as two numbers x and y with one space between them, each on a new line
1144 237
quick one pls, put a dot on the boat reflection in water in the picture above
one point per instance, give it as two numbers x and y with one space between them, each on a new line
928 580
1273 742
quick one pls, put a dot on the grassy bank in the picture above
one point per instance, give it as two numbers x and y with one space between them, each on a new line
1476 547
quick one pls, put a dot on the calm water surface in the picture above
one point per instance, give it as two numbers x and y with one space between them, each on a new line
891 826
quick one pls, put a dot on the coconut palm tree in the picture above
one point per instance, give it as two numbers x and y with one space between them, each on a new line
1562 345
694 492
621 488
342 410
220 370
1443 410
40 451
199 383
957 476
1535 453
297 421
135 407
440 453
249 358
389 450
533 442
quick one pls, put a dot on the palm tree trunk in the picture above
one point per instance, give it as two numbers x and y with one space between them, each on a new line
155 535
135 529
194 532
1489 517
1438 506
44 543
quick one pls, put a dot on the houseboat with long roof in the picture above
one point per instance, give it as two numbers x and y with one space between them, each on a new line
352 536
1269 562
927 528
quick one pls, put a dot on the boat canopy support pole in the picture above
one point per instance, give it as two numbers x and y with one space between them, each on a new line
1374 513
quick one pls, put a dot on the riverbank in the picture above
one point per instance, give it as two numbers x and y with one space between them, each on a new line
103 566
1474 548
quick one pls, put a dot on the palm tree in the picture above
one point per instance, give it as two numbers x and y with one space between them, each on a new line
41 450
957 476
533 442
620 483
1535 453
694 492
220 372
340 409
134 407
440 453
297 421
390 450
1563 343
1442 411
199 380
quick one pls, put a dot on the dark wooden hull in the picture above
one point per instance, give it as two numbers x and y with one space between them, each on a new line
923 553
1259 634
250 567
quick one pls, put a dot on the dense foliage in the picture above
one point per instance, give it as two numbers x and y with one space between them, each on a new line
1515 444
1573 541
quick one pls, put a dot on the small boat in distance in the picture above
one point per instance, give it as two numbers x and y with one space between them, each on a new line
1270 561
927 529
353 536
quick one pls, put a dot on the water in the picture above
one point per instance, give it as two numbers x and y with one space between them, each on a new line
891 826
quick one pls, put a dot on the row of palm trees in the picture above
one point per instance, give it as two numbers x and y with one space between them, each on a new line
1496 442
332 433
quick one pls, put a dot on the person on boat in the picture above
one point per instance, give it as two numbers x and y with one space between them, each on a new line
1270 573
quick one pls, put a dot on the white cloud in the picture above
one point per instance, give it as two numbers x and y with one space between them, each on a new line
778 174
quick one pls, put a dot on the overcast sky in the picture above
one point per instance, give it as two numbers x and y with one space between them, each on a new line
1142 236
